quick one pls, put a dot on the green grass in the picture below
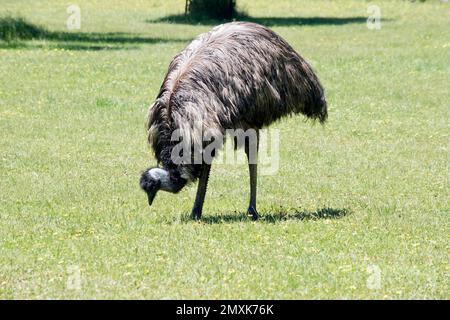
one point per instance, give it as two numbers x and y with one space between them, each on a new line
17 28
371 188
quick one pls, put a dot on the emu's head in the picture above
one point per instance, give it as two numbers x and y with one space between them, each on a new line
154 179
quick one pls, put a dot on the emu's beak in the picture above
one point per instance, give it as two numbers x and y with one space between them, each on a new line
151 197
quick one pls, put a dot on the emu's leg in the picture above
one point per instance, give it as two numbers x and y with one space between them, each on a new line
251 150
201 191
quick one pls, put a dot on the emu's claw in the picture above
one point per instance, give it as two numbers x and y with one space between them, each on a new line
253 213
196 215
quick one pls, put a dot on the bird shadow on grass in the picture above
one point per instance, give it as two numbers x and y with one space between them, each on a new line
273 216
267 21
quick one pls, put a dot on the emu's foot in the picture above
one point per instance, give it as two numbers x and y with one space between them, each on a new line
251 212
196 214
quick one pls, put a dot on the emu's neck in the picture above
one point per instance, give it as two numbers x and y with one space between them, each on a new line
167 150
186 170
169 181
162 176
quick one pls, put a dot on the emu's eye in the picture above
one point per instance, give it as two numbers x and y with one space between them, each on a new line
145 183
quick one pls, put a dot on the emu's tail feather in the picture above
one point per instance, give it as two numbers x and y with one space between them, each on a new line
320 109
316 108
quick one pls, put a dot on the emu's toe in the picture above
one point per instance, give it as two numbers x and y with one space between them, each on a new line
252 213
196 215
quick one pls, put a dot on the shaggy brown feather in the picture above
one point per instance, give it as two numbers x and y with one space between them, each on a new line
237 76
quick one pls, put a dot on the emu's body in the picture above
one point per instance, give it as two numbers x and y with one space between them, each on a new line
237 76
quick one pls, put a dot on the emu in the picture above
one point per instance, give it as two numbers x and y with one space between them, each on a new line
239 75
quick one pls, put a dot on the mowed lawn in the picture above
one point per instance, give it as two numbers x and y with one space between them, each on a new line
359 208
